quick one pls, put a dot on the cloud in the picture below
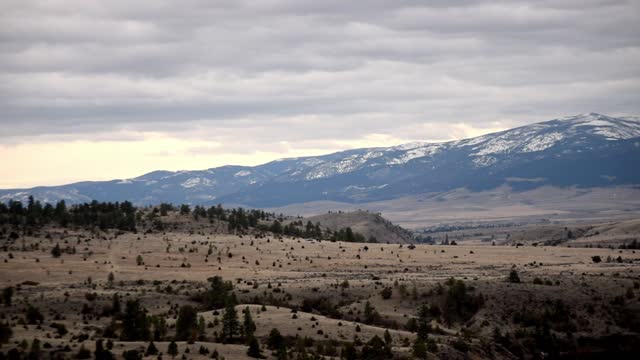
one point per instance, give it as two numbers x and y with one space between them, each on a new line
289 76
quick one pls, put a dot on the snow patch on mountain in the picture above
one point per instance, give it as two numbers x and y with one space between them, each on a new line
417 152
608 127
409 146
494 146
482 161
364 188
197 181
312 162
594 122
542 142
242 173
342 166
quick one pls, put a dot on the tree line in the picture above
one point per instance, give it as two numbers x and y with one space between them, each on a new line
105 215
125 216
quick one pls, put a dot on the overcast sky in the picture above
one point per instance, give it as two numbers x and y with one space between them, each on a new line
93 90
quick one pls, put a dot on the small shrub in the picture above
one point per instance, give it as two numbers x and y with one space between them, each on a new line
514 277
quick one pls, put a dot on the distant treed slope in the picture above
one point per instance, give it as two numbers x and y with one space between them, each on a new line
585 150
370 225
361 226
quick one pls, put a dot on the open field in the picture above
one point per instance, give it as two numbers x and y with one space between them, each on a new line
319 290
503 204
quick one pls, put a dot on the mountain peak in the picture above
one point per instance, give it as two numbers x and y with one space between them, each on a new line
580 150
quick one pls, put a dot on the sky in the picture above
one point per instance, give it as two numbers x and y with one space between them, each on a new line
96 90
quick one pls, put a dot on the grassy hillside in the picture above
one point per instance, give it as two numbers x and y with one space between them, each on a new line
370 225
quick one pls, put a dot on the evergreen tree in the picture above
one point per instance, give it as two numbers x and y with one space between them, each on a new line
376 349
187 324
424 319
83 353
7 295
56 252
115 304
275 340
110 279
173 349
33 315
100 352
349 352
371 316
99 349
159 327
151 349
514 277
132 355
217 295
34 352
387 337
201 327
230 321
5 333
419 349
135 324
254 348
249 326
281 353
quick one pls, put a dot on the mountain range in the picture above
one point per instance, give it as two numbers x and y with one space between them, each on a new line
588 150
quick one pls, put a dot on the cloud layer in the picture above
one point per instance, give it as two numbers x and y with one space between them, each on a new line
287 76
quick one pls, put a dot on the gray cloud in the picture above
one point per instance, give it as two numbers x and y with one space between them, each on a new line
310 71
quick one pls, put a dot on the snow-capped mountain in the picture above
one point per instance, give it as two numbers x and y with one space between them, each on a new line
584 150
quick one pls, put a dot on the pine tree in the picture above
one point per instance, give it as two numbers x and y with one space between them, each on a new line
110 279
173 349
424 326
83 353
34 352
159 327
248 325
349 352
115 305
101 353
99 349
7 295
151 349
230 321
275 340
5 333
419 349
254 348
201 327
514 277
376 349
387 337
187 324
135 324
33 315
56 252
217 295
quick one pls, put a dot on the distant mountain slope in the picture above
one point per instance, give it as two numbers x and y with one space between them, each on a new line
584 151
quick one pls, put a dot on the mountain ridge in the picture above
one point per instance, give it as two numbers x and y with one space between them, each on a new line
584 150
